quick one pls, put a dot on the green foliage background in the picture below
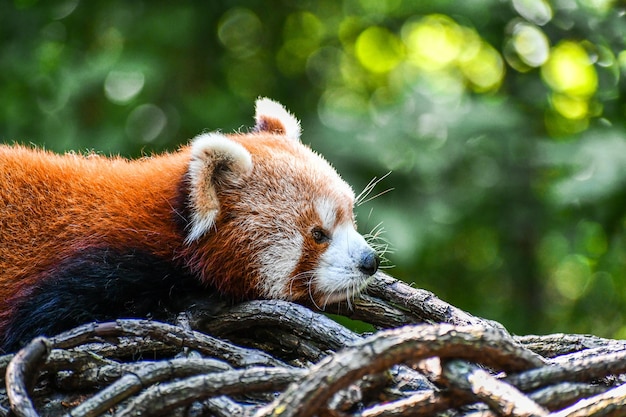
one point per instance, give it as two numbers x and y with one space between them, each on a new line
502 123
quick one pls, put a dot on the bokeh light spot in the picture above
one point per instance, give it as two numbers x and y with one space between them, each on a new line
485 70
120 87
146 122
239 30
303 33
570 71
570 107
572 276
536 11
378 50
433 42
531 44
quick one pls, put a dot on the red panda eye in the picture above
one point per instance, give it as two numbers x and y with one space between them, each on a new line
319 235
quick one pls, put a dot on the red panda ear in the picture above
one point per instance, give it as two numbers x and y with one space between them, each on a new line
215 160
273 118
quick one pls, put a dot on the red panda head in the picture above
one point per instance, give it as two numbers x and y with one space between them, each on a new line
270 218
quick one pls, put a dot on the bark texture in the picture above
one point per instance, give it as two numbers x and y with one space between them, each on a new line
274 358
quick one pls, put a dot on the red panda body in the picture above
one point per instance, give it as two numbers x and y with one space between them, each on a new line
255 215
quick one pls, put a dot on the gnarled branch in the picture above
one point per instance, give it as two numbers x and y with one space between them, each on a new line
267 358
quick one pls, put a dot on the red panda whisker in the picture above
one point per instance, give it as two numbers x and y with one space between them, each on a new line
349 296
375 196
312 297
362 198
326 300
306 275
368 188
379 243
377 230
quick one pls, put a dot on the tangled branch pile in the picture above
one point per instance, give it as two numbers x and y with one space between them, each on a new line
270 358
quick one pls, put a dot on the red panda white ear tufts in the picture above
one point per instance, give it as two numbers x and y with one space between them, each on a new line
215 160
272 117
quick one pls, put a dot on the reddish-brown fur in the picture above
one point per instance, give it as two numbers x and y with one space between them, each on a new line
52 207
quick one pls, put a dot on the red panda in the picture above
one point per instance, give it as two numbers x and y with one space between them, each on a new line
255 215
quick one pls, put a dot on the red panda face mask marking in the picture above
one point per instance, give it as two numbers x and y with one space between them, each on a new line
271 218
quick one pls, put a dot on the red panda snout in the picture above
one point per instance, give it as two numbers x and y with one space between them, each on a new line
345 267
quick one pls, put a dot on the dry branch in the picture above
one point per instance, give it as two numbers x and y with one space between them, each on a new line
145 375
500 396
386 348
271 358
21 374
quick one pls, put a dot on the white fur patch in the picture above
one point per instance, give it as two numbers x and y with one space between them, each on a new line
266 108
219 146
207 151
278 262
200 224
337 276
327 212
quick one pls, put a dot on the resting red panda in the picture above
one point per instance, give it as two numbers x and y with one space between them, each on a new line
257 215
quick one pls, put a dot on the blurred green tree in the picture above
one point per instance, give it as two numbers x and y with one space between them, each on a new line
502 122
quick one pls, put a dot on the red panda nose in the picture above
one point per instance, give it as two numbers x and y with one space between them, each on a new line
369 263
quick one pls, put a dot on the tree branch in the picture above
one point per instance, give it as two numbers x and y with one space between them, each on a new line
270 358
